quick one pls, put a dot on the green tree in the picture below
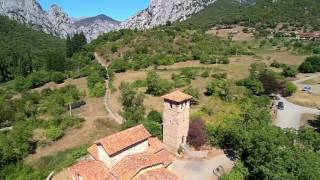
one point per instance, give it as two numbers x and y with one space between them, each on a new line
157 86
132 102
69 49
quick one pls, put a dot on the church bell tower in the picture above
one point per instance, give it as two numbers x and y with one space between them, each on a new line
176 117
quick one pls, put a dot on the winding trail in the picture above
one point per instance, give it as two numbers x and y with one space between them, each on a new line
115 116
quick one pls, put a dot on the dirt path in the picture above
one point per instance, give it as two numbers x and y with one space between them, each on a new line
115 116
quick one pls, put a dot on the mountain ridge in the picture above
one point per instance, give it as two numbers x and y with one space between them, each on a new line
55 21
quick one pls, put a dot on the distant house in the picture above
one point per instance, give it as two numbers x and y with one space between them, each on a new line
312 36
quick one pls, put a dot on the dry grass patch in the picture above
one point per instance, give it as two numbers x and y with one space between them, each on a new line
305 99
313 81
236 33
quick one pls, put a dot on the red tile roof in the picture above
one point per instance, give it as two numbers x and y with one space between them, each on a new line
130 166
177 96
155 145
93 151
91 170
166 157
124 139
157 174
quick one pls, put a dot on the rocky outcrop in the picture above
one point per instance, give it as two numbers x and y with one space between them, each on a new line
55 22
61 23
160 12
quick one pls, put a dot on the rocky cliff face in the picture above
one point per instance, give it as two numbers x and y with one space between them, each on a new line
161 11
55 22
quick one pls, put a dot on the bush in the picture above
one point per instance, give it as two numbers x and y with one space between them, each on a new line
310 65
290 88
194 93
239 172
57 77
157 86
54 133
290 71
197 135
98 90
205 74
155 116
154 128
114 49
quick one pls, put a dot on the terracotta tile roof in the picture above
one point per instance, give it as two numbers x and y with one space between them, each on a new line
177 96
93 151
166 157
157 174
155 145
91 170
130 166
124 139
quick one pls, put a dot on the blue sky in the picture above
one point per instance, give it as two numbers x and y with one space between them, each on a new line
117 9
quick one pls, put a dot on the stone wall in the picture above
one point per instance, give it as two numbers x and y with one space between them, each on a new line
111 161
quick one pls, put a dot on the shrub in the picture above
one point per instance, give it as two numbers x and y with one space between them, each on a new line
290 71
157 86
205 74
197 135
114 49
238 172
153 127
310 65
54 133
154 116
57 77
98 90
93 79
194 93
275 64
290 88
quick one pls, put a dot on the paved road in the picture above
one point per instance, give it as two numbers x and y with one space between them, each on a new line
290 117
201 170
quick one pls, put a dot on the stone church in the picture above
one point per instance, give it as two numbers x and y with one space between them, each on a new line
133 153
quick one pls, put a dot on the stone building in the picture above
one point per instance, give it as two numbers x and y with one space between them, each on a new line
133 153
176 119
129 154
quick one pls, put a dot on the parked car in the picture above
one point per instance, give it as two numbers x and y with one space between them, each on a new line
76 105
280 105
307 89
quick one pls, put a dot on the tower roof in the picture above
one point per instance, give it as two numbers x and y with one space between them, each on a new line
177 96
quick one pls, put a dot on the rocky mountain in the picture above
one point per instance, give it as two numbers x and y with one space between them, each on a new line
95 26
55 22
160 12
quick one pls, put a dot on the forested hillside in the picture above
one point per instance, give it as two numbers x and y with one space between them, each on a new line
264 12
23 50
